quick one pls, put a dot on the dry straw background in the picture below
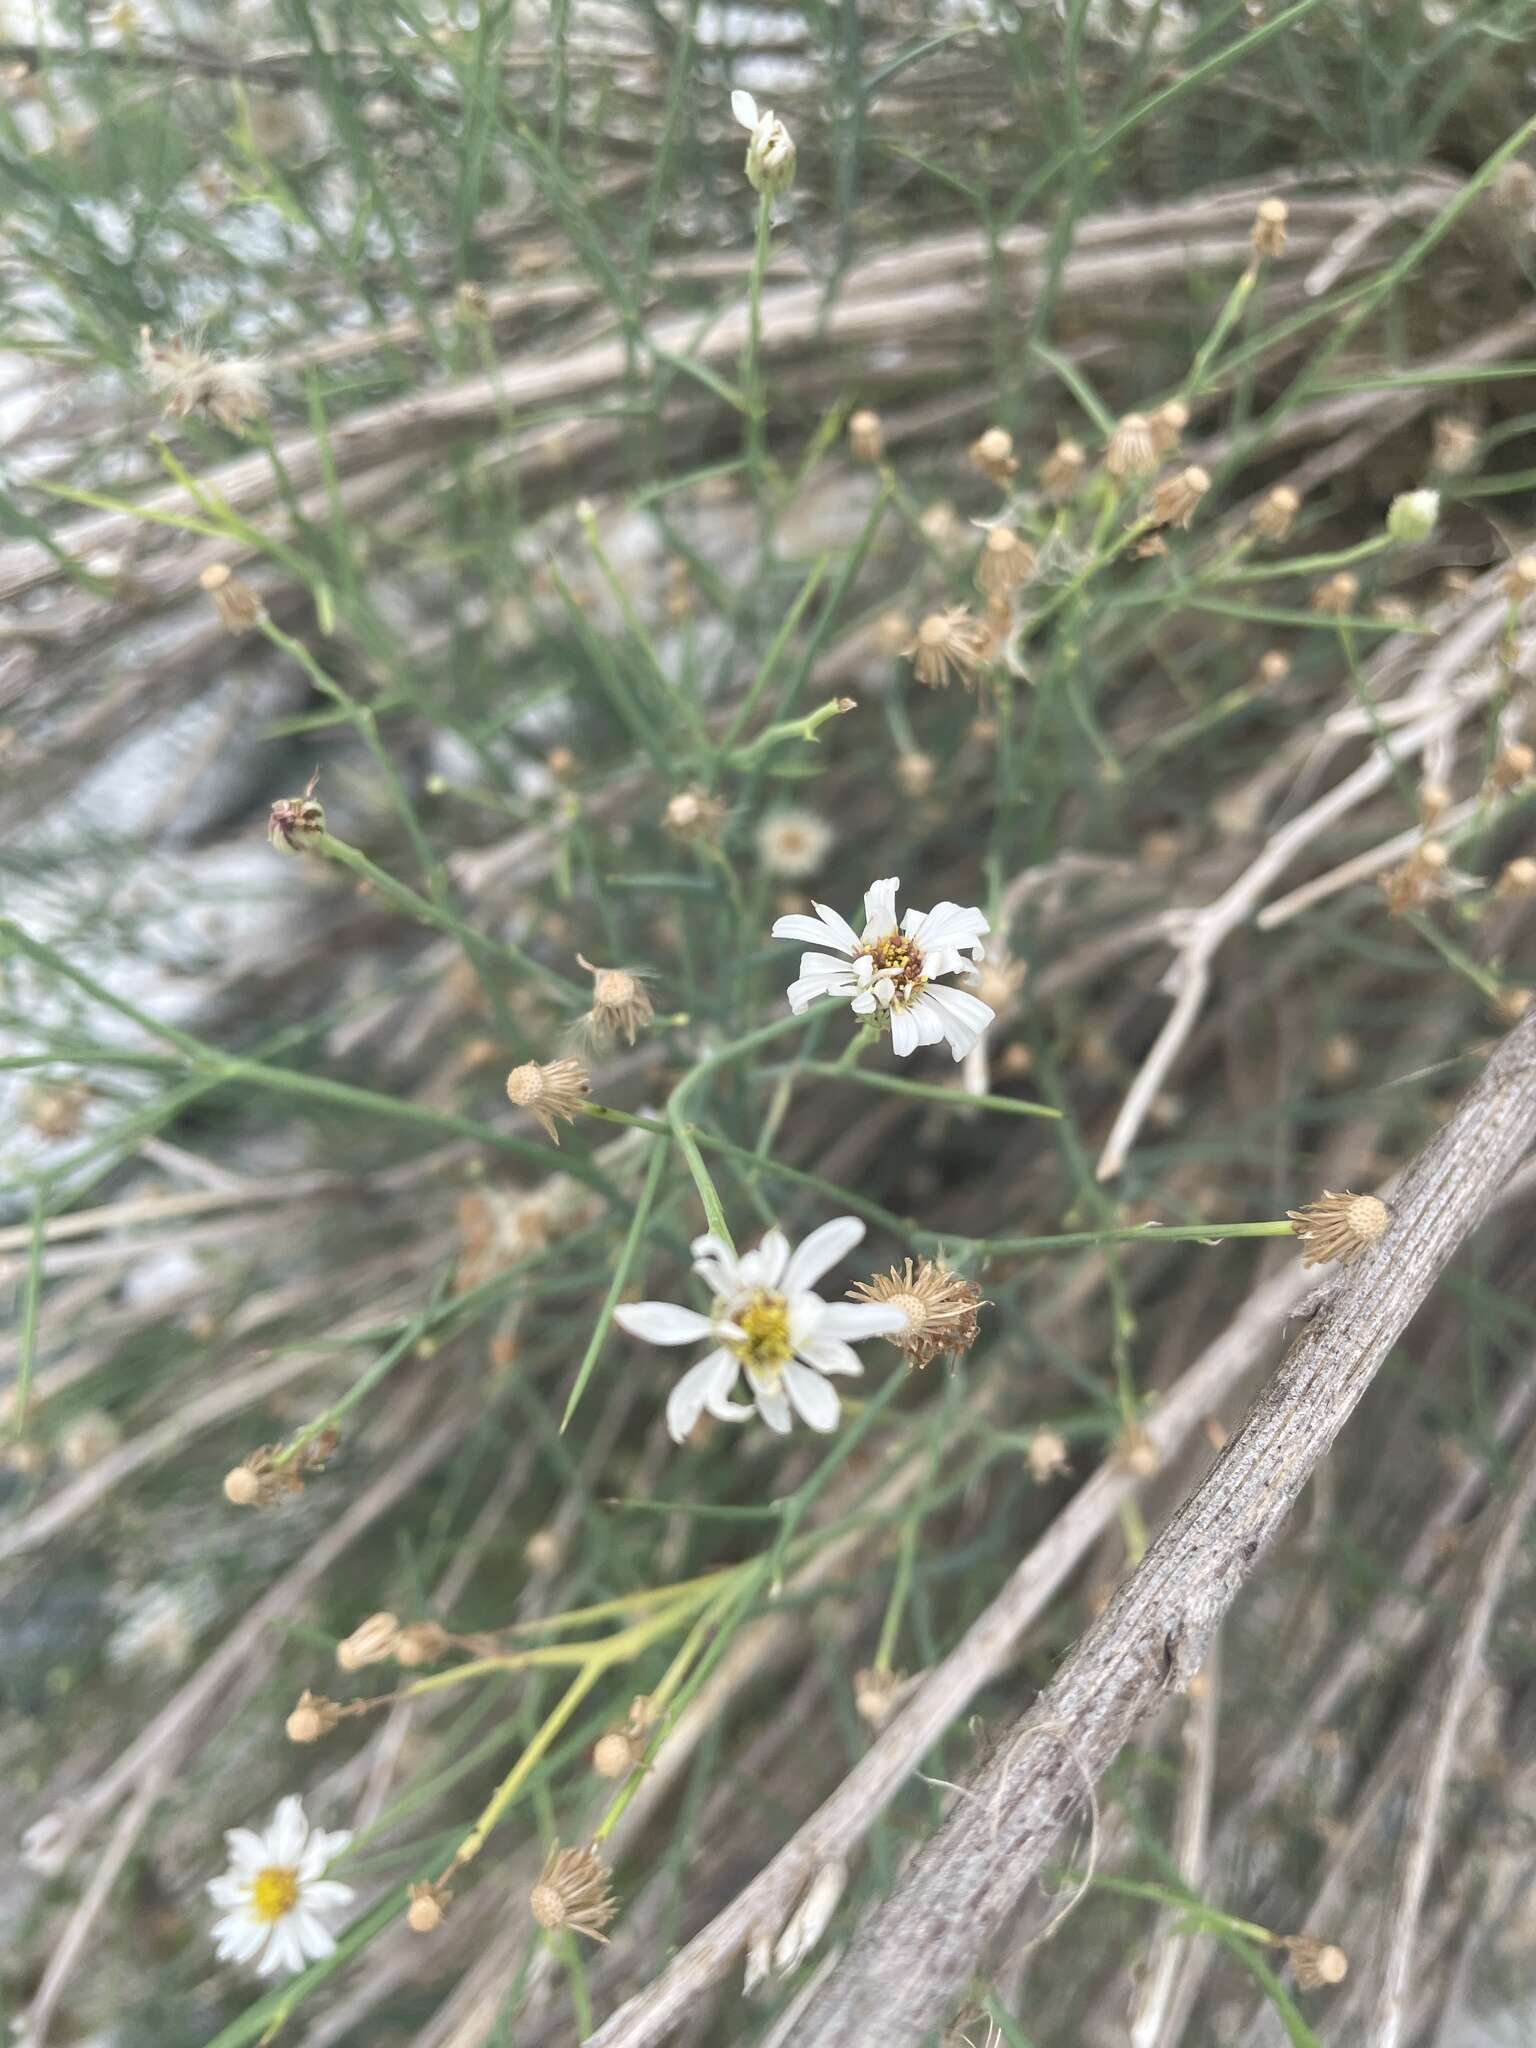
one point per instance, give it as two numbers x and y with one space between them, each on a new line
1196 1593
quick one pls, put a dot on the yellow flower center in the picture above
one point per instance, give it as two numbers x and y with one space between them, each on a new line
897 956
274 1893
763 1347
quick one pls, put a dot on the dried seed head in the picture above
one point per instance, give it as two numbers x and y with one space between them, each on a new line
1269 219
242 1487
940 1308
1422 879
1132 449
915 773
1006 562
1434 802
259 1482
1315 1963
875 1694
1517 882
1337 595
238 606
621 1008
1168 424
998 981
573 1892
423 1642
793 843
1512 765
1174 501
230 390
1520 579
296 823
1136 1452
561 763
616 1753
89 1439
1339 1058
1047 1456
866 436
948 644
1455 445
1275 514
694 817
1274 666
1510 1005
544 1552
372 1642
313 1717
56 1112
992 454
558 1088
1062 471
1339 1227
429 1902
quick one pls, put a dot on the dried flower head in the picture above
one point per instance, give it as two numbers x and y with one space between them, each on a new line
1520 579
1420 880
915 774
1339 1227
296 823
421 1642
621 1008
1269 219
544 1552
558 1088
56 1112
1315 1964
1175 500
428 1904
1006 561
1062 471
1274 666
238 606
230 390
998 980
695 817
866 436
616 1753
573 1891
313 1717
1275 513
1512 765
948 644
992 454
875 1694
1132 449
770 164
1046 1456
1517 880
1434 802
1168 424
938 1309
1136 1453
1455 445
371 1642
1337 595
259 1481
793 843
1510 1005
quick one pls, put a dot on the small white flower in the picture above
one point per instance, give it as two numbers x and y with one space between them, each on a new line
771 152
276 1898
893 972
765 1321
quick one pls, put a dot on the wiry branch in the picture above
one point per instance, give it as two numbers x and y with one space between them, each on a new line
909 1965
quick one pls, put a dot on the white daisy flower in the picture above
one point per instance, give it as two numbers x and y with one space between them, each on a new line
765 1321
276 1898
893 972
771 152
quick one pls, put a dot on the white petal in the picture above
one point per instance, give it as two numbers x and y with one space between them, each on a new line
283 1950
315 1939
904 1033
662 1322
880 907
803 993
718 1402
853 1320
842 933
744 107
820 1252
685 1403
929 1023
816 1401
884 991
773 1259
812 931
288 1833
863 1005
328 1895
715 1264
830 1354
242 1943
247 1850
773 1408
965 1016
949 926
807 1313
323 1846
229 1890
827 967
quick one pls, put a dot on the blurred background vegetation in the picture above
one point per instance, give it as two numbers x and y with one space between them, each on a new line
542 543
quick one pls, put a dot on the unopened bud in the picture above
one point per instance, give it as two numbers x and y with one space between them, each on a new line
371 1642
424 1642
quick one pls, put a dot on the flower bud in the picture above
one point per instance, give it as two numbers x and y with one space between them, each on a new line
770 151
1412 515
